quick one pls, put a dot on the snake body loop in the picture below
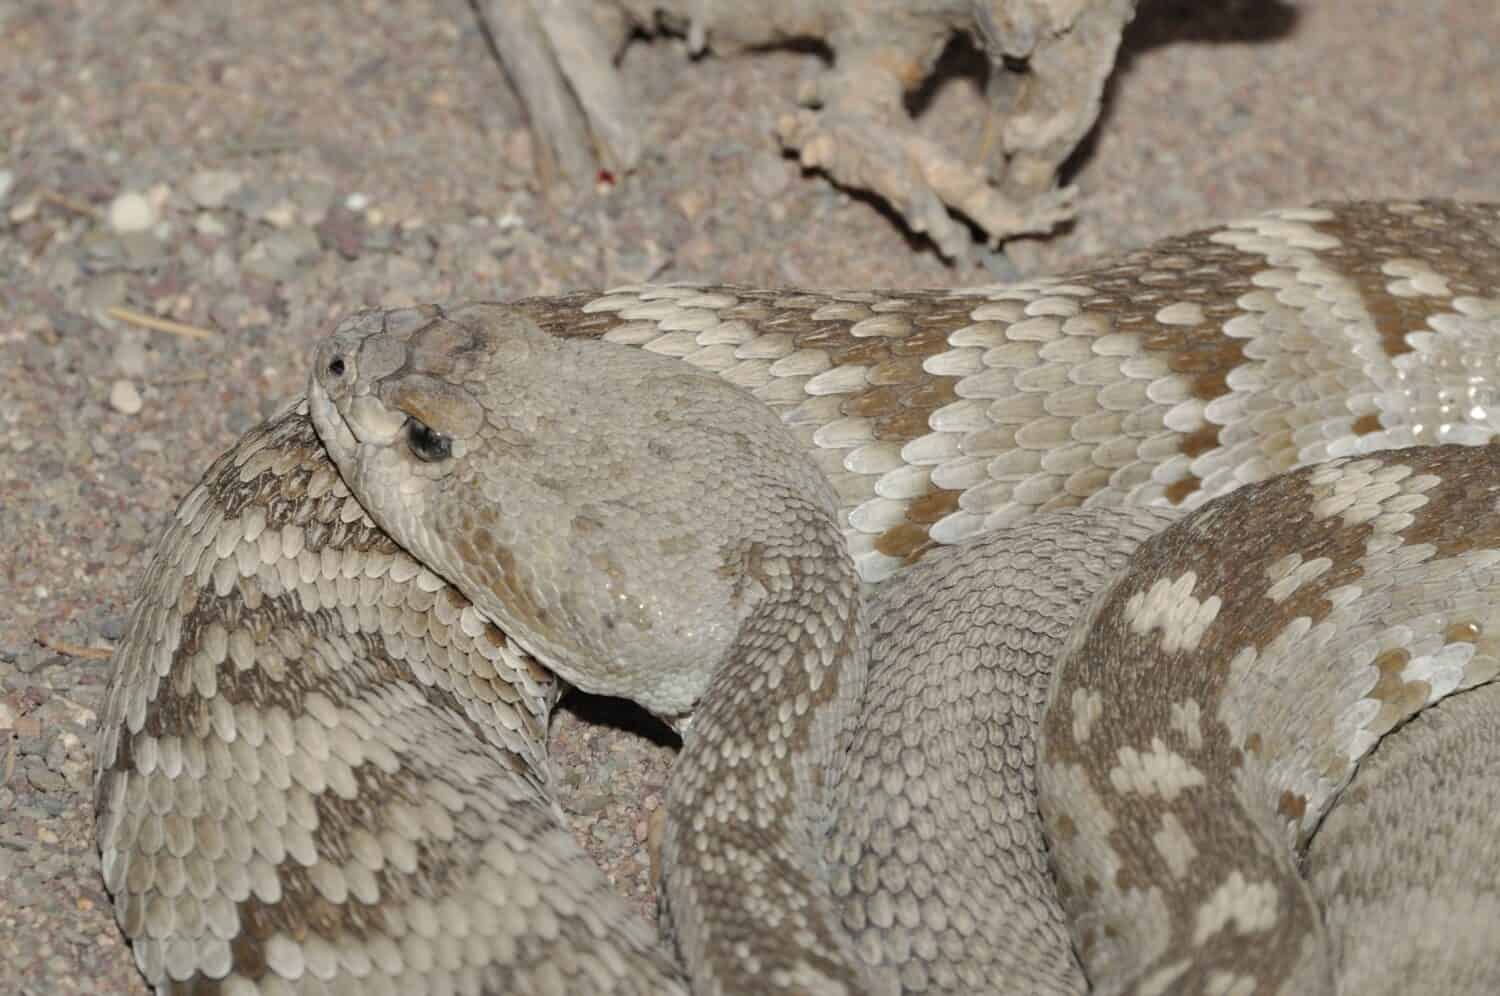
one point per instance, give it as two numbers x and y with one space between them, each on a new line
1158 550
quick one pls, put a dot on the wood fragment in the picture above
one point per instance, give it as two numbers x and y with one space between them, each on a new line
70 204
8 767
145 321
76 649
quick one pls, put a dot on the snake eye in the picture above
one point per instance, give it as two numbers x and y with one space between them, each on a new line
427 445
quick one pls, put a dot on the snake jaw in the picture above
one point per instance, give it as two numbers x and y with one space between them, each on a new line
360 432
338 438
332 377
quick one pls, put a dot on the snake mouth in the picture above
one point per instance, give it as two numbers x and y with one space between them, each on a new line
337 435
346 416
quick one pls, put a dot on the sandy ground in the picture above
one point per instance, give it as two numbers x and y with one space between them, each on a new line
293 162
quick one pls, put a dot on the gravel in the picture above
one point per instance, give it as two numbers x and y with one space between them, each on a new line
188 198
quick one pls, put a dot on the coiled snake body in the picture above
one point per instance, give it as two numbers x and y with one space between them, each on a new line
322 763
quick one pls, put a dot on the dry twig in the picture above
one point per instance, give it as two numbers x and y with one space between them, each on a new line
145 321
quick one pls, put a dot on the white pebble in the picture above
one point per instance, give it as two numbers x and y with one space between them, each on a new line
131 212
124 397
356 202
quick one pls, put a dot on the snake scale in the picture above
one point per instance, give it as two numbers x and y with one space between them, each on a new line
1133 625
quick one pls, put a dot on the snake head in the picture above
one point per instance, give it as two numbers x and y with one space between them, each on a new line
393 395
596 502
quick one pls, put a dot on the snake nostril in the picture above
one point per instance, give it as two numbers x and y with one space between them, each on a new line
336 367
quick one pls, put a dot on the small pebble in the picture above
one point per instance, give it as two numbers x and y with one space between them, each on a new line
356 202
29 660
520 157
282 214
637 265
209 224
343 231
313 199
143 250
131 212
106 290
691 203
101 251
125 398
44 780
769 174
210 188
226 311
279 255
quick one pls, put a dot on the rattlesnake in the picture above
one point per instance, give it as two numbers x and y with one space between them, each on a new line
322 766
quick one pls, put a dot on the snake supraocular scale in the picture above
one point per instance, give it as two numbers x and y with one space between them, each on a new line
322 766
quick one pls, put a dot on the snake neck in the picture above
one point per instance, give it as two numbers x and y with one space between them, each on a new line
757 769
